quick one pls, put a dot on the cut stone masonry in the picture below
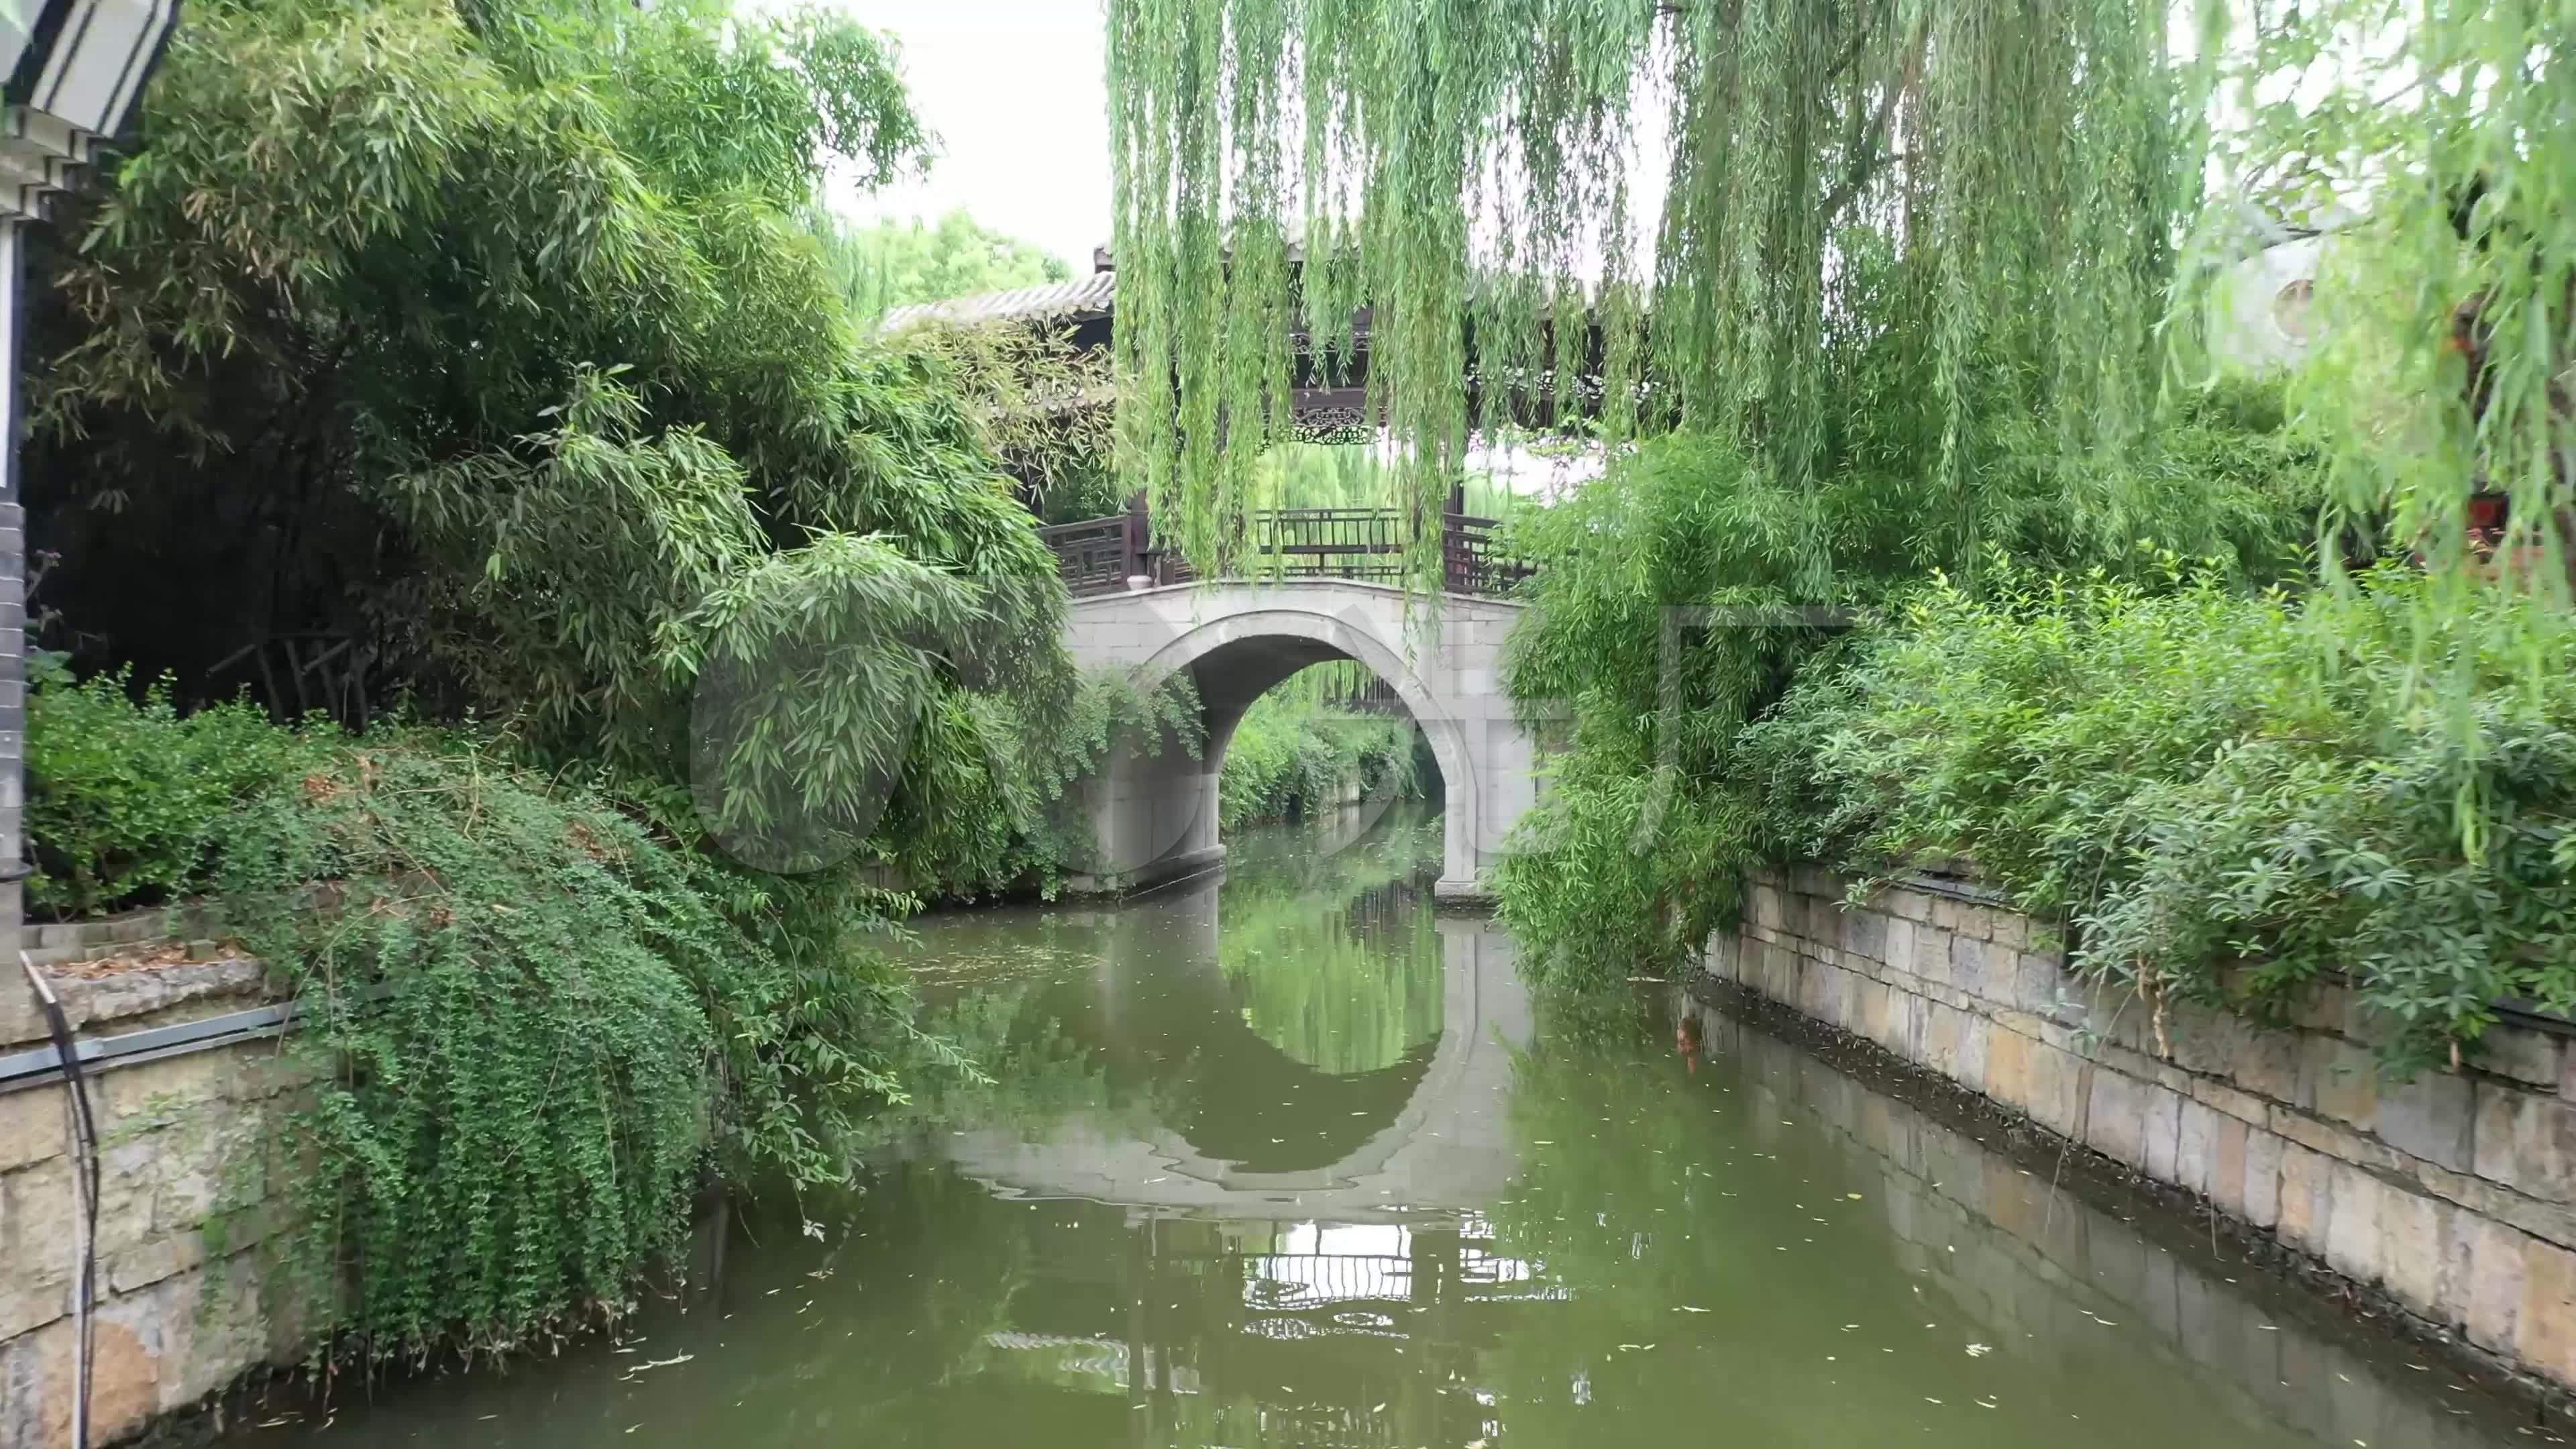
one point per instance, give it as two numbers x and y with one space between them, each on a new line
2454 1193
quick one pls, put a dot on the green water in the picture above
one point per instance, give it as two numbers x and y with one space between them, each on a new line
1294 1160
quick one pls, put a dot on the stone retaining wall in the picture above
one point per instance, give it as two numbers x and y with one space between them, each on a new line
70 941
185 1140
2455 1193
2059 1276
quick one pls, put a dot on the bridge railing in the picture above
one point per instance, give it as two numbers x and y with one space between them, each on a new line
1096 555
1099 555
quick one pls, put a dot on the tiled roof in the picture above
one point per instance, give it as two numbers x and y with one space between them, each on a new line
1082 297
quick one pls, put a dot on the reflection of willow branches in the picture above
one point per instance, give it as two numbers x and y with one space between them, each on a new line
1034 1074
1338 964
1269 864
1338 994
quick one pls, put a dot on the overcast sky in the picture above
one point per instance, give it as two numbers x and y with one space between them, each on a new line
1016 91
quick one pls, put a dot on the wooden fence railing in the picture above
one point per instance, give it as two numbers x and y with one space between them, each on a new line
1100 555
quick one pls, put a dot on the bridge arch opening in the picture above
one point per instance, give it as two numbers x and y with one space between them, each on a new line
1161 817
1154 807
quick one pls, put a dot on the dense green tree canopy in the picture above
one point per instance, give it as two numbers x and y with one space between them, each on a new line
495 340
488 355
893 263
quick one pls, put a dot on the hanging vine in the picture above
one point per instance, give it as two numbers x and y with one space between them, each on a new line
1460 215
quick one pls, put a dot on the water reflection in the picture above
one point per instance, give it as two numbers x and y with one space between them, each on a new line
1209 1202
1307 1038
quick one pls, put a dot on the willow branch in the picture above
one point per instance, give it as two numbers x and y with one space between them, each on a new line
1867 157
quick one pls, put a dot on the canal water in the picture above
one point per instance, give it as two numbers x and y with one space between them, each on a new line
1294 1159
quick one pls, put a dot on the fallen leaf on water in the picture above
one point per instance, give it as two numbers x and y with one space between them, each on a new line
667 1362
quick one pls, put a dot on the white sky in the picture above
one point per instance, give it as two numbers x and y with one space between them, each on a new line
1017 91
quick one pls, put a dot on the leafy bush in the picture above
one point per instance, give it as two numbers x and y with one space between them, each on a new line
539 1015
1682 594
2225 799
2014 726
127 797
537 1027
1292 752
990 800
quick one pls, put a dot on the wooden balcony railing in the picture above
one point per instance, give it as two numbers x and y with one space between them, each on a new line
1100 555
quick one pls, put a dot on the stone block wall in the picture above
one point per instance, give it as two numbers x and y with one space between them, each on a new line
2057 1275
186 1139
165 929
2455 1193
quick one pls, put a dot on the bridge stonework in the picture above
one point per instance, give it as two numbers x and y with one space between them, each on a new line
1154 816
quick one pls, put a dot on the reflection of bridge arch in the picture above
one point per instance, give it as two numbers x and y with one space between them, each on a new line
1154 817
1449 1148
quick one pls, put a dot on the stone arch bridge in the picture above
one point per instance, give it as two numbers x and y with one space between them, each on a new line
1334 594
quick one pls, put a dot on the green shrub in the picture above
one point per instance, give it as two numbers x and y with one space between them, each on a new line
539 1020
2223 799
1684 592
1292 752
126 797
2015 726
537 1028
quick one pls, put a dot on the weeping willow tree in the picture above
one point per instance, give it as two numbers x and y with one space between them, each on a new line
2445 382
1855 292
1464 175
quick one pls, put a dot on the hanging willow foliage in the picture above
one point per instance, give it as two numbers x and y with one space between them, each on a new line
2437 145
1446 192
